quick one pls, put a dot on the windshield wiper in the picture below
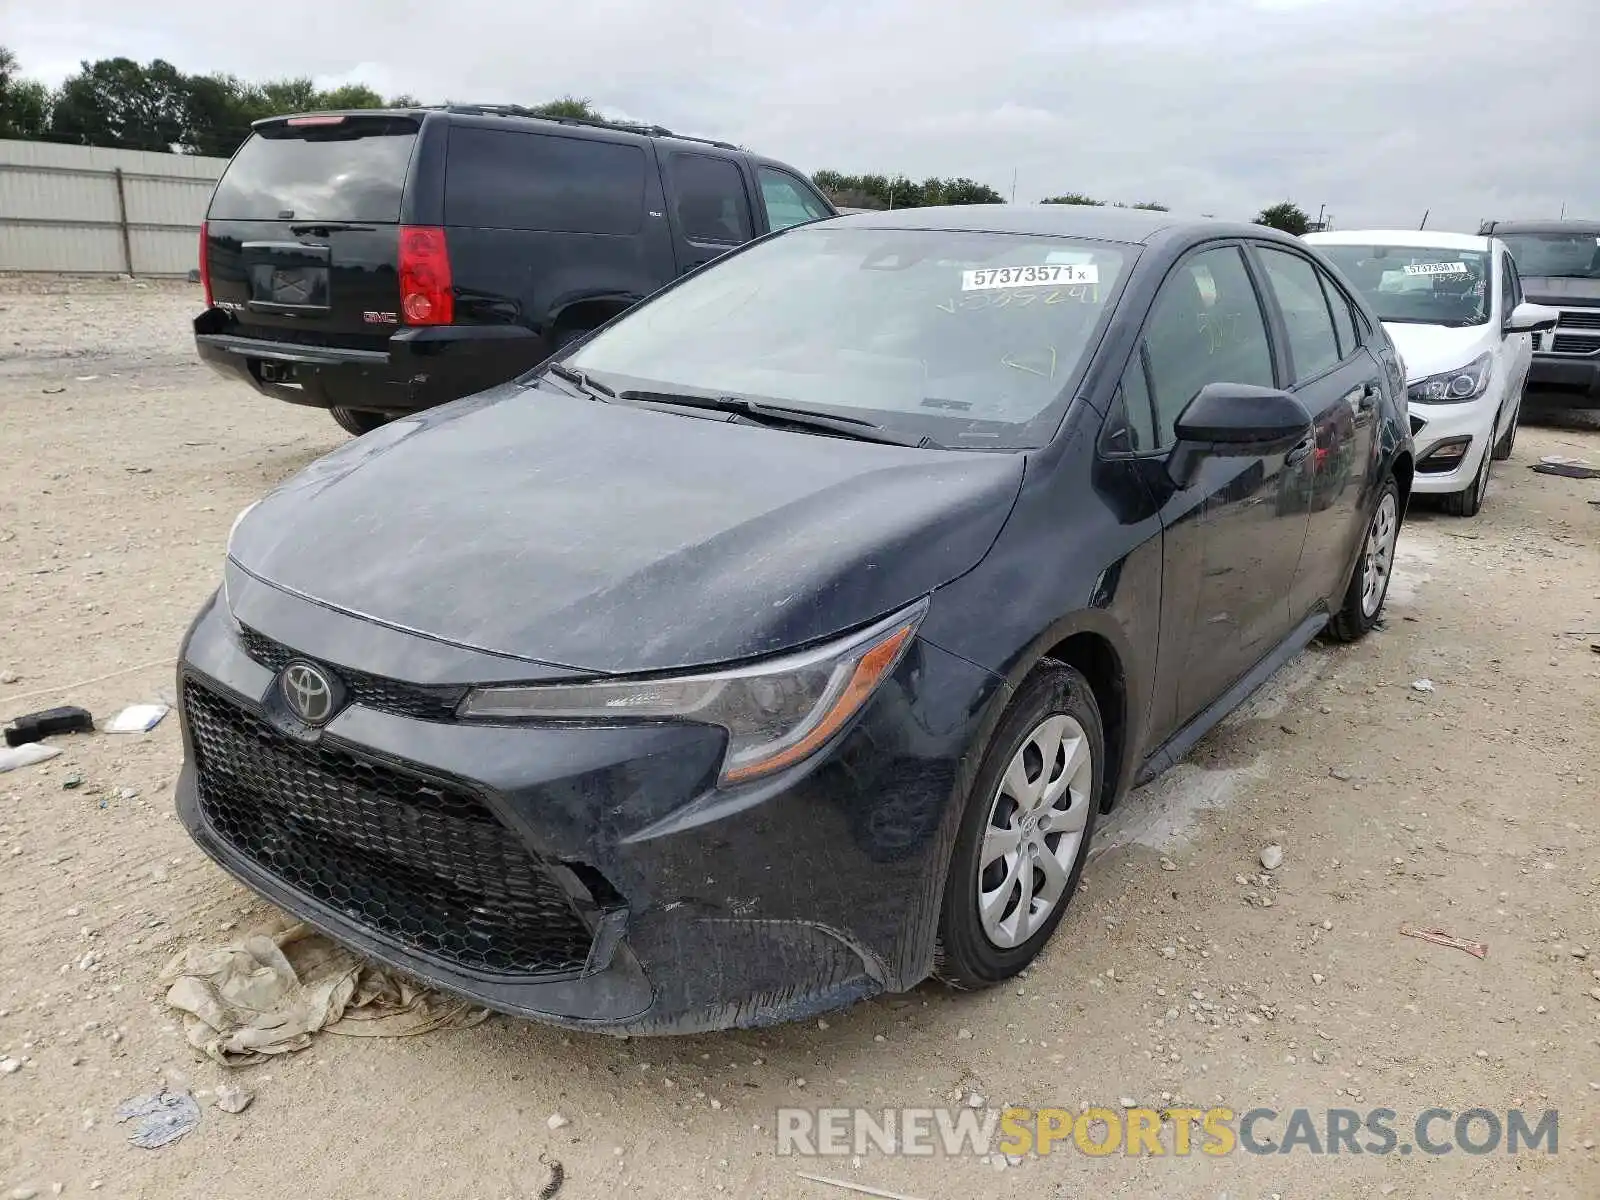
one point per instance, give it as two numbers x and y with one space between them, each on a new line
593 387
779 415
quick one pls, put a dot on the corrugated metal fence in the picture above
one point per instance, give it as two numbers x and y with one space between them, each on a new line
85 209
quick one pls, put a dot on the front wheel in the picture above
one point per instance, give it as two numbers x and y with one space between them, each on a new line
1468 501
1025 834
1508 440
1369 585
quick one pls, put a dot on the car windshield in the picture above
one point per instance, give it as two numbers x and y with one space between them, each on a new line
1565 255
971 339
1423 285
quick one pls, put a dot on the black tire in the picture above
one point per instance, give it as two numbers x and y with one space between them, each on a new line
964 956
1356 617
359 420
1469 501
1508 440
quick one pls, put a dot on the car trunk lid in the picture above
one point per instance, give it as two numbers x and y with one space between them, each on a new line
302 236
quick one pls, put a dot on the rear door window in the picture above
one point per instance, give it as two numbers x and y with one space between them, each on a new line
1344 321
708 196
1312 341
787 201
506 179
353 169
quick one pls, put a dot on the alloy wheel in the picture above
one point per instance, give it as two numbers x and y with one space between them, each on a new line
1034 833
1378 560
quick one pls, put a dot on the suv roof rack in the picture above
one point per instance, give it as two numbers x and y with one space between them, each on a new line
517 110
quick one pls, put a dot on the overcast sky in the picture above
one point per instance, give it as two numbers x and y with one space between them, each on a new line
1378 109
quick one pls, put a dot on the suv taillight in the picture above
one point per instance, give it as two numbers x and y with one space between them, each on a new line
205 261
426 295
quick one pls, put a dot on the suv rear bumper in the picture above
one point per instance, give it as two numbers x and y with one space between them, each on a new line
418 369
1577 379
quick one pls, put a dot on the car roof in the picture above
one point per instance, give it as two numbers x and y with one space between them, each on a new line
1135 225
1429 239
1578 227
488 115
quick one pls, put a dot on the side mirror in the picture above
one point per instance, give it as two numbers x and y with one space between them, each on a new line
1235 420
1528 317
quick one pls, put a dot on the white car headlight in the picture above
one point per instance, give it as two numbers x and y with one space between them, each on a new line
776 712
1451 387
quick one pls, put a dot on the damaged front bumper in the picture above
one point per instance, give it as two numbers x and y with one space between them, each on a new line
587 875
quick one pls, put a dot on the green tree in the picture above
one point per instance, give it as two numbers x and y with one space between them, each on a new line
1152 206
568 106
882 191
117 102
1287 216
1073 198
24 103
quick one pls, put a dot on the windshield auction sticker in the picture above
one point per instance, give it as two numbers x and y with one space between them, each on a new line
1050 275
1454 268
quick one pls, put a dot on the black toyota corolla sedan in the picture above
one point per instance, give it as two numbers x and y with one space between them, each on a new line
779 644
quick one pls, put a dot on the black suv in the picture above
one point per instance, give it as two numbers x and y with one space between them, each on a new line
379 262
1559 262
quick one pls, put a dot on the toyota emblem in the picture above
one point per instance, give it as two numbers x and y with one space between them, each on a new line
308 693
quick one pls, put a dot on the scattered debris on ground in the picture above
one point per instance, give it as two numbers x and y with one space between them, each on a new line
137 718
1440 938
36 726
270 992
163 1118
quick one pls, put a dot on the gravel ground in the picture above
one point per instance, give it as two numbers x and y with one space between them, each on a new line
1470 807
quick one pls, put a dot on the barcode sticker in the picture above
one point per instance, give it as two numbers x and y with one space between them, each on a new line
1454 268
1048 275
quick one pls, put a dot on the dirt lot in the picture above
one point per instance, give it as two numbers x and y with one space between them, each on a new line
1471 808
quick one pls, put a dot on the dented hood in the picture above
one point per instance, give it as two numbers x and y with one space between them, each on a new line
613 539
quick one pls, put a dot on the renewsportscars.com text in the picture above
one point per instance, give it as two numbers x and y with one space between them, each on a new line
1099 1131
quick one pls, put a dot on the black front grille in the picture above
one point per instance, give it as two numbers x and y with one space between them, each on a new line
1574 343
418 862
369 691
1571 319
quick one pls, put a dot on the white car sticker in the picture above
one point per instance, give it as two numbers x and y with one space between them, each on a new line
1455 268
1050 275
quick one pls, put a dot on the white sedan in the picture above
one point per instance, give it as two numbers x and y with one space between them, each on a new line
1452 304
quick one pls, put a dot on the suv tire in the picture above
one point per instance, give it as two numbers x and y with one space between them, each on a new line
358 420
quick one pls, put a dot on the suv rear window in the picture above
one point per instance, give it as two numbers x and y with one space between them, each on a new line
505 179
354 170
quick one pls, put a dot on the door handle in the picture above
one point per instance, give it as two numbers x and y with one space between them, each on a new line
1361 399
1301 452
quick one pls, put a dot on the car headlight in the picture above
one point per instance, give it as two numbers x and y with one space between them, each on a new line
776 712
1449 387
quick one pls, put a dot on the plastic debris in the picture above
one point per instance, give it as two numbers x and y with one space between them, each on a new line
1440 938
1568 468
25 756
36 726
271 992
1422 685
163 1118
137 718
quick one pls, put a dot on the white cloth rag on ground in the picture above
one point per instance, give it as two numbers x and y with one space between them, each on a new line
270 992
